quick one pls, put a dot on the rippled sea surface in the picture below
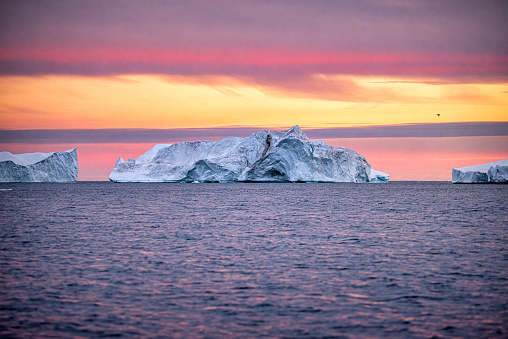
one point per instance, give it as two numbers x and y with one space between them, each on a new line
403 259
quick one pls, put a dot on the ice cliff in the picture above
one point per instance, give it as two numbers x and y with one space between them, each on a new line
491 172
39 167
266 156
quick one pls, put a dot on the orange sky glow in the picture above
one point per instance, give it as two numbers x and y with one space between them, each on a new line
148 101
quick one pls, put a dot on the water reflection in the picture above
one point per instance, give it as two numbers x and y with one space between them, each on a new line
396 260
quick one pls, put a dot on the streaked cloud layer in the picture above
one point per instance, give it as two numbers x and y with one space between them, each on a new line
64 136
453 39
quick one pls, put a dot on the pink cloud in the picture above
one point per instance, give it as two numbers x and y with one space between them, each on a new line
252 63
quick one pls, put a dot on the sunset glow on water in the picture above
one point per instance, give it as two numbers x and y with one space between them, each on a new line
259 260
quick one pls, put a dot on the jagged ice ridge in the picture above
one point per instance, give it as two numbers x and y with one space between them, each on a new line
39 167
266 156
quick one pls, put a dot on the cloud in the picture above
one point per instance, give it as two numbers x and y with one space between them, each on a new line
76 136
289 65
452 129
29 112
345 88
455 26
452 39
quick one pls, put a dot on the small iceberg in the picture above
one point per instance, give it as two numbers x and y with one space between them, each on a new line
491 172
377 176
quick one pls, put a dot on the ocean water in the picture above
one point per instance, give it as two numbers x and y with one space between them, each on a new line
397 260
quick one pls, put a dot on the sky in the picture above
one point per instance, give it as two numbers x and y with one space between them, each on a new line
417 87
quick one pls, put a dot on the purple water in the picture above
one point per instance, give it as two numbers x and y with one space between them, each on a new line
398 260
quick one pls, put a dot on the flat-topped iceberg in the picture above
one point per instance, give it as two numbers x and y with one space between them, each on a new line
39 167
266 156
491 172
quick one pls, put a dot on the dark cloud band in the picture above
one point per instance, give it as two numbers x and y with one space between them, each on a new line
77 136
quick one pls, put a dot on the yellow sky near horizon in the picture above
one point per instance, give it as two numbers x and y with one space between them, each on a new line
149 101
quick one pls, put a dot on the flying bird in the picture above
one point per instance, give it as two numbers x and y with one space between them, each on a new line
438 114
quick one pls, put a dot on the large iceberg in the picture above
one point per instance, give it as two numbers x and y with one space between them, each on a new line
39 167
491 172
266 156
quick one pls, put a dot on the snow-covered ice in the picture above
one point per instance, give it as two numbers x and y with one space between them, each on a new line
39 167
377 176
266 156
491 172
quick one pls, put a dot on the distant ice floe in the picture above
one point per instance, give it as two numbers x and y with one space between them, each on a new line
492 172
39 167
266 156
